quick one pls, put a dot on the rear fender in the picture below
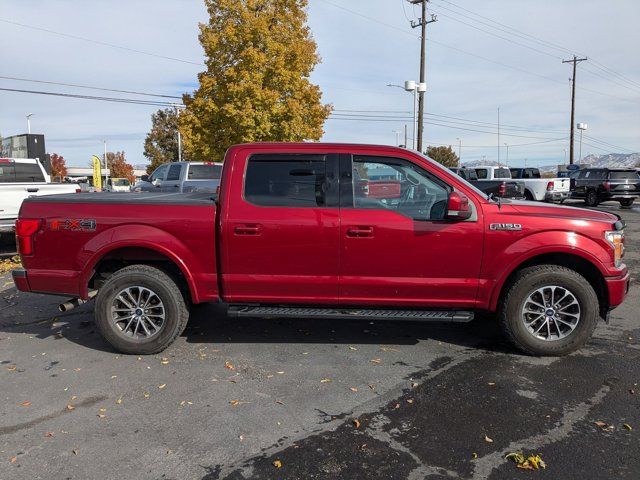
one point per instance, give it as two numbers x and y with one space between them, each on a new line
527 248
138 236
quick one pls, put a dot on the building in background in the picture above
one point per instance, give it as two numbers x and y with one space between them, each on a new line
27 145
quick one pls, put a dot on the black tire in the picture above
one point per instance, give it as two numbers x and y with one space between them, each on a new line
591 198
528 195
532 278
626 202
164 287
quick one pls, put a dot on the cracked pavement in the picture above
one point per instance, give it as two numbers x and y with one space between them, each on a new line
327 399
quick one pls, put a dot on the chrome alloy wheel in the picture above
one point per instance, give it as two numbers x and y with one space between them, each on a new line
551 313
138 313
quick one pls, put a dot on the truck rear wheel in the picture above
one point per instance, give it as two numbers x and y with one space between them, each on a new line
591 198
626 202
140 310
549 310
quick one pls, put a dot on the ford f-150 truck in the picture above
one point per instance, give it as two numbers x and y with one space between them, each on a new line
318 230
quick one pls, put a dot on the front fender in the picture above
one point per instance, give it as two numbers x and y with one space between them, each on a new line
496 271
136 236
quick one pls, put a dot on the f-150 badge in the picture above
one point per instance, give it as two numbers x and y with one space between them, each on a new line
505 226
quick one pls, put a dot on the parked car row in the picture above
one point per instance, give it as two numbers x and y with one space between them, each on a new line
593 185
182 177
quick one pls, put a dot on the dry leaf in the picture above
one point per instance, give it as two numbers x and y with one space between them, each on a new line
414 384
474 455
410 401
229 365
114 376
26 403
353 389
70 407
627 426
491 383
352 348
164 361
234 403
13 459
388 349
487 439
48 434
161 386
74 397
376 360
11 368
532 462
372 386
277 463
75 452
146 394
600 424
280 373
325 380
356 423
119 400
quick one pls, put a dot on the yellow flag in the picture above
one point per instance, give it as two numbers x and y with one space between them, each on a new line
97 173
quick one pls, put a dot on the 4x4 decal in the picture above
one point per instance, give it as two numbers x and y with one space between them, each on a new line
75 224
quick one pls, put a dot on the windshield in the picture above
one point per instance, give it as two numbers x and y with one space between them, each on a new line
445 169
204 172
623 175
121 182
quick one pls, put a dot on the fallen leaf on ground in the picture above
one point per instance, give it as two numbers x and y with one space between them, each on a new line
229 365
353 389
531 462
474 455
356 423
280 373
70 407
410 401
352 348
75 452
414 384
600 424
48 434
627 426
372 386
119 400
26 403
146 394
162 385
487 439
164 361
74 397
13 459
325 380
234 403
114 376
277 463
11 368
388 349
491 383
376 360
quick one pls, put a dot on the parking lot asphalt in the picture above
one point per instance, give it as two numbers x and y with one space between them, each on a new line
314 399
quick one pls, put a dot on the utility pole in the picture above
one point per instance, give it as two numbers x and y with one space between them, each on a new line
406 145
575 61
459 151
422 23
507 145
179 137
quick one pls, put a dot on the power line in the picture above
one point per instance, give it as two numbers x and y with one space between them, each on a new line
92 97
607 144
89 87
98 42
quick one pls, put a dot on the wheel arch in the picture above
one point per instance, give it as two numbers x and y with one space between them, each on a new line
572 261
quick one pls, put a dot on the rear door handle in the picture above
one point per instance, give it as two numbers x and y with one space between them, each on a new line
249 229
360 232
32 189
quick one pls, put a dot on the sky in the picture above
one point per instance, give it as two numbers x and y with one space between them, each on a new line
475 67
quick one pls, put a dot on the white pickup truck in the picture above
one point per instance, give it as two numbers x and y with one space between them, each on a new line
21 178
538 188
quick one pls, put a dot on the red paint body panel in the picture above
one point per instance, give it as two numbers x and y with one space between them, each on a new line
243 253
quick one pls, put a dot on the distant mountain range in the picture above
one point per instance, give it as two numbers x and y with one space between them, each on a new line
610 160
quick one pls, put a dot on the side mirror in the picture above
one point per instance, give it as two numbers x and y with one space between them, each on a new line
458 207
144 178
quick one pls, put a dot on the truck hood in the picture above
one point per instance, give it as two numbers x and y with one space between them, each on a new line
559 211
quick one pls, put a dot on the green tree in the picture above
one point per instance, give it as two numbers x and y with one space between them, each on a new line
161 144
444 155
259 56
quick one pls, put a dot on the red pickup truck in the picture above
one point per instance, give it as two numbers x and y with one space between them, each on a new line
326 230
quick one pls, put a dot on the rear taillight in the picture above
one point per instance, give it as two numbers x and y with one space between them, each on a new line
607 186
502 189
549 186
78 190
26 228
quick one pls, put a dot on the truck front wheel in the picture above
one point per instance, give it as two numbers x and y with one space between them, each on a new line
140 310
549 310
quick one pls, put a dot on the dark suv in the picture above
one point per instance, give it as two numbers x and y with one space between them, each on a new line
597 185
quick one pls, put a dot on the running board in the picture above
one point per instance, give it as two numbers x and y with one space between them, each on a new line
363 313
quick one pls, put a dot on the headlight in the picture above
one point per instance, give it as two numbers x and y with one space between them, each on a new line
616 240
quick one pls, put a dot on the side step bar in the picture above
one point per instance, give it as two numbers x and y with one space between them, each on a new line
363 313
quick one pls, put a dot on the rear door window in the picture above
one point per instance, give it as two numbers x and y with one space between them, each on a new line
501 173
286 180
28 173
481 173
7 173
623 175
204 172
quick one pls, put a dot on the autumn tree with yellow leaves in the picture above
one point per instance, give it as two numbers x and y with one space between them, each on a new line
259 56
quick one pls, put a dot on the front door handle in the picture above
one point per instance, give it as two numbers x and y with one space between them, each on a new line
360 232
248 229
32 189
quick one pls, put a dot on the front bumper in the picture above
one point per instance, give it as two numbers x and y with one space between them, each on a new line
618 288
20 279
556 196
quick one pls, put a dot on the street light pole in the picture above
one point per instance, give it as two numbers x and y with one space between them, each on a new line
179 136
582 127
410 86
507 145
459 151
29 122
106 166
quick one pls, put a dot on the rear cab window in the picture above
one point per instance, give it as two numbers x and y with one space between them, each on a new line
286 180
501 173
481 173
21 172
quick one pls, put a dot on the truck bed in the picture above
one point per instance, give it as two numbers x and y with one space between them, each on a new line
133 198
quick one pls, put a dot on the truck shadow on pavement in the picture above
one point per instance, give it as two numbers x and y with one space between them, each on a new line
37 316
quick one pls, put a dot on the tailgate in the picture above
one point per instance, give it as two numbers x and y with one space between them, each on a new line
561 185
514 190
